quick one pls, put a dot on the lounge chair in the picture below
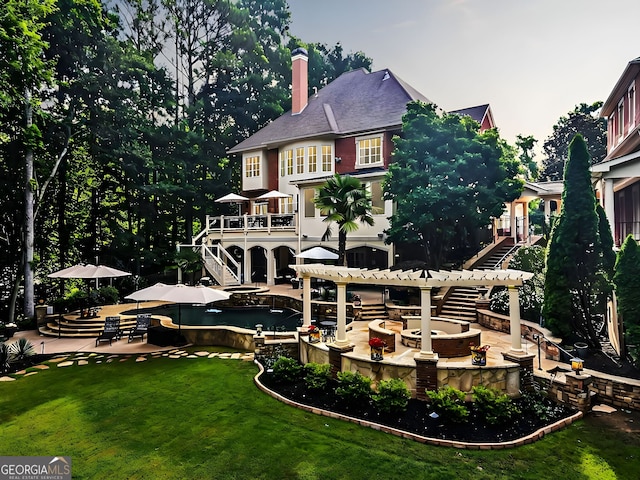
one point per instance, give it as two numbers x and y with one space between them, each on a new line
142 326
110 330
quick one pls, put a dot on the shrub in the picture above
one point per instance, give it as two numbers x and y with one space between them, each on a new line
448 402
497 407
317 375
286 369
393 396
535 403
105 296
353 387
22 349
5 358
269 354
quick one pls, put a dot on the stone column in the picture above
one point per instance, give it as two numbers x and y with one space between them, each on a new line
306 301
341 305
271 262
514 319
426 375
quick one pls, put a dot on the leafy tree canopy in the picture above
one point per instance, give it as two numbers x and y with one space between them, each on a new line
447 180
584 120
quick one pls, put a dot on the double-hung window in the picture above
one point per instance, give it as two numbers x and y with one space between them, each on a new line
252 166
369 151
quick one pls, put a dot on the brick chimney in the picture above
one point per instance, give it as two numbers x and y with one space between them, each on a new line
299 80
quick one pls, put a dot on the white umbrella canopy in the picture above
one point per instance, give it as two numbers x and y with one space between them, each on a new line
69 272
200 294
317 253
149 293
272 194
88 271
232 198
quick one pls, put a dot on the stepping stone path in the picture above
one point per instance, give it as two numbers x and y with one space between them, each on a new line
83 359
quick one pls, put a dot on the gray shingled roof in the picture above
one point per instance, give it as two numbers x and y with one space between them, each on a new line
477 113
356 101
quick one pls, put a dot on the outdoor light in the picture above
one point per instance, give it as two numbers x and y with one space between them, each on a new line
259 329
576 365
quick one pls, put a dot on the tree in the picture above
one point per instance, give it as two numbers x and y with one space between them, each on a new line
344 199
583 119
575 259
627 282
447 181
25 72
527 155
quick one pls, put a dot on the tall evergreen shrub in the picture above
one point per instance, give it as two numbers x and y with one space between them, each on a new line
627 283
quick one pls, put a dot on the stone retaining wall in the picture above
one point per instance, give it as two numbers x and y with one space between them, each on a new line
504 379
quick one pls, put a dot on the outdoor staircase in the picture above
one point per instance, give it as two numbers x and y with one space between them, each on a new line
72 326
459 302
372 312
220 264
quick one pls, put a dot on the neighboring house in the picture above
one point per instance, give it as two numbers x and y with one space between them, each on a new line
346 128
481 114
618 175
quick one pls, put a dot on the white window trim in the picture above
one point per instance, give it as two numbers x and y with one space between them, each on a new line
631 107
359 164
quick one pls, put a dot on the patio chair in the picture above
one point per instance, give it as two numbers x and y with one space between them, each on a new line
110 330
142 326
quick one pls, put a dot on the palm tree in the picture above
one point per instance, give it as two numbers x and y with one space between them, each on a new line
346 201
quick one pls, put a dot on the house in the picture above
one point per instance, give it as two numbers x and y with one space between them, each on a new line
618 175
346 128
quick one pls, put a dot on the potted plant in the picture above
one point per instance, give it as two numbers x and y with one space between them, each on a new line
314 334
377 348
479 354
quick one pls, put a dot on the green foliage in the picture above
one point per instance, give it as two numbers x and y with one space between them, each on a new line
584 120
447 180
317 375
344 199
627 282
531 294
286 369
392 396
448 402
533 403
498 408
526 146
5 358
106 295
22 349
575 255
353 387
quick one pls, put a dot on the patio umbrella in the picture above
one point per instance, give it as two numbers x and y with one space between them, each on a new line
272 194
149 293
185 294
69 272
317 253
232 198
88 271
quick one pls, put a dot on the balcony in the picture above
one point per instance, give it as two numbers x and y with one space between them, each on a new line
250 223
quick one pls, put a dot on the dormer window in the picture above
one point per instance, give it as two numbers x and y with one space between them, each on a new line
369 151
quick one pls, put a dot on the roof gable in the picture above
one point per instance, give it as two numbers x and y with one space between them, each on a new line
356 101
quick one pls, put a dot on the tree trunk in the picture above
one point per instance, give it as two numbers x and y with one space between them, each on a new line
342 248
29 305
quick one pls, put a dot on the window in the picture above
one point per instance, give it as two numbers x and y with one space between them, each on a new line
327 158
312 159
286 162
260 208
631 105
300 160
252 166
369 151
286 205
377 199
620 119
309 206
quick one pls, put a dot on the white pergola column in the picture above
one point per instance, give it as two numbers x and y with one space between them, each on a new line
514 319
426 349
341 304
609 209
306 301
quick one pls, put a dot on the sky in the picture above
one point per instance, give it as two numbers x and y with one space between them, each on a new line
533 61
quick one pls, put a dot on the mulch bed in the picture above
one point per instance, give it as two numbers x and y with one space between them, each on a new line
419 417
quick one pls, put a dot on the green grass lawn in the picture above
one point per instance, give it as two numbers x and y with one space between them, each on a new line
204 419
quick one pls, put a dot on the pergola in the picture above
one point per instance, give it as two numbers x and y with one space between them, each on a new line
422 279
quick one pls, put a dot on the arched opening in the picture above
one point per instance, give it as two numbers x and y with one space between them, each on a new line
367 257
283 257
258 257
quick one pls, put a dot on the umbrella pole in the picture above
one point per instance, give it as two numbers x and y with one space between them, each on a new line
180 318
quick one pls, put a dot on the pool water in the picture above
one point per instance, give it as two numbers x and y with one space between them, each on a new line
244 317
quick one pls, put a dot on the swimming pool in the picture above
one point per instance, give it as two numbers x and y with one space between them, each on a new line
243 317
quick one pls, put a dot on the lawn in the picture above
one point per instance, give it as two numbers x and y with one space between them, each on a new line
204 418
